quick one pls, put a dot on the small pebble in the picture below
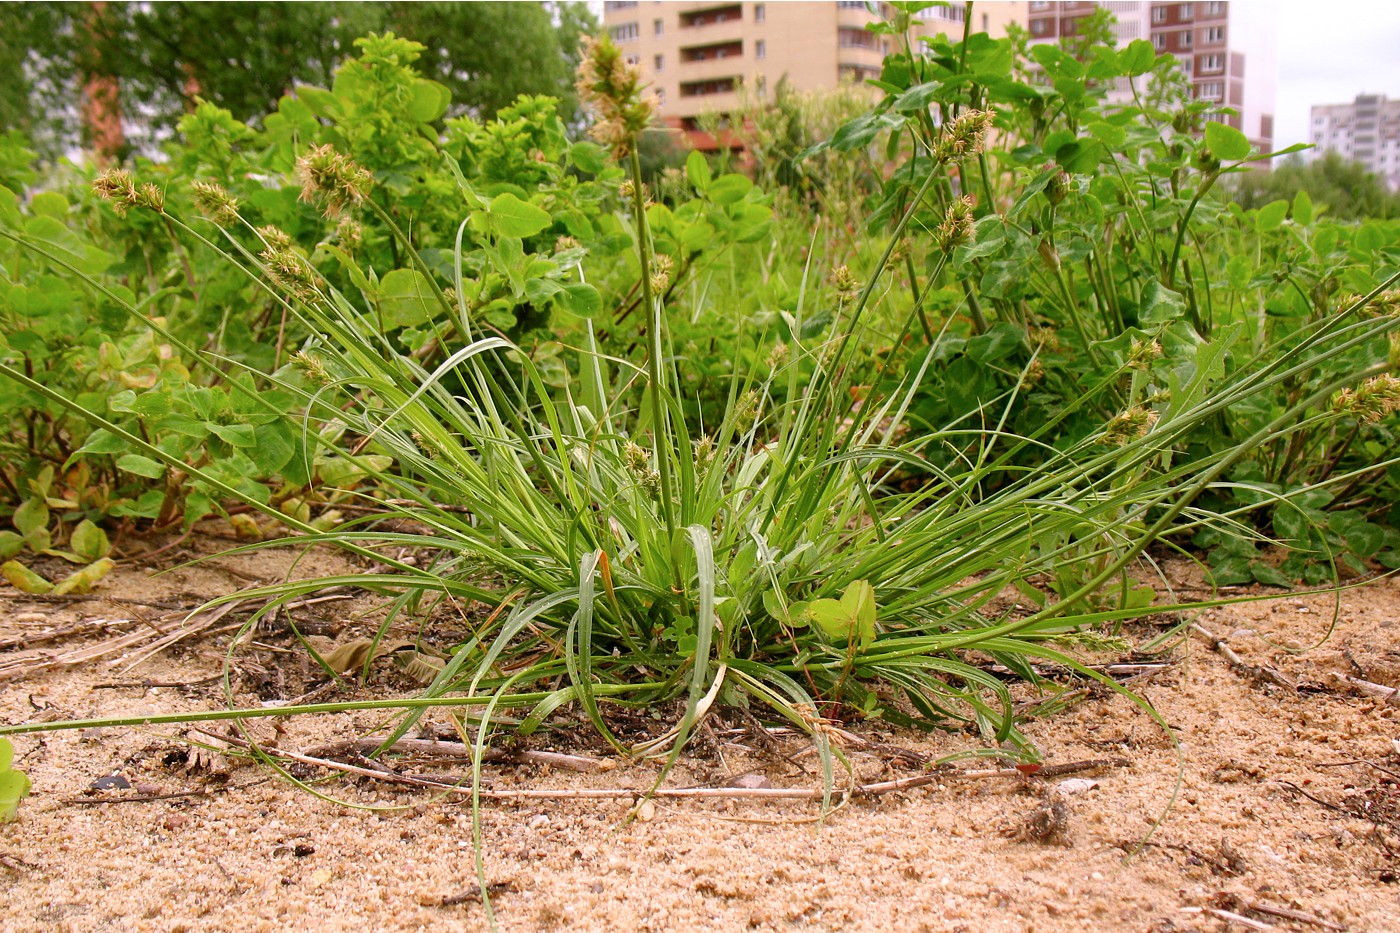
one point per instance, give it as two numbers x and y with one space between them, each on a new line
538 821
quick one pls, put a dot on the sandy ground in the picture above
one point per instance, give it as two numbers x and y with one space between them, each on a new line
1287 816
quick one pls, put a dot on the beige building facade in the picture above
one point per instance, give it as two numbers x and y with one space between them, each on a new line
698 56
1367 130
1226 49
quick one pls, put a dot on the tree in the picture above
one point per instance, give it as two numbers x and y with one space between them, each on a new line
1347 188
245 56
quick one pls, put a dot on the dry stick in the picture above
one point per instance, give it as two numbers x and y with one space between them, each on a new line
460 750
1287 913
1390 695
623 793
1263 673
1230 916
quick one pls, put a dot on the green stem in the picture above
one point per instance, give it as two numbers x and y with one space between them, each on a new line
655 351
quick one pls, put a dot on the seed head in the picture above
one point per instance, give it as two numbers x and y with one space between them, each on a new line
965 135
845 281
661 266
957 227
1371 401
311 367
215 203
1141 353
332 180
118 187
1129 426
612 89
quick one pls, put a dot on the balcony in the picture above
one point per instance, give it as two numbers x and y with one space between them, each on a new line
711 69
709 88
712 16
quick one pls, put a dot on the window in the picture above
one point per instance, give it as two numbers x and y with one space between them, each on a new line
1211 63
1159 14
759 13
625 32
1184 39
634 59
1185 11
1214 90
760 49
1040 4
660 95
986 22
658 27
658 62
619 4
852 4
1215 34
1159 42
848 38
1214 9
1042 27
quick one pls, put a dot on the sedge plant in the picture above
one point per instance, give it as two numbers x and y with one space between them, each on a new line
808 553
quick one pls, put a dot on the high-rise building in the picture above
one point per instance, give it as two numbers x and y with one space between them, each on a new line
697 56
1227 50
1367 130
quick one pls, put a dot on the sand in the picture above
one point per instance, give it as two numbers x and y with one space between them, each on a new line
1287 812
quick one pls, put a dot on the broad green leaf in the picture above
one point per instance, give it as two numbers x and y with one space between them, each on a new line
589 157
1138 58
512 217
697 169
1271 216
726 189
405 299
1160 305
581 299
141 466
429 102
238 435
1302 209
1226 143
10 544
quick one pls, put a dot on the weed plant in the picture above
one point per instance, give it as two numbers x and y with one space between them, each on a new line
826 533
809 551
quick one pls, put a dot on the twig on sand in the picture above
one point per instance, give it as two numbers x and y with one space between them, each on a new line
1263 673
1390 695
626 793
459 750
1230 917
1226 900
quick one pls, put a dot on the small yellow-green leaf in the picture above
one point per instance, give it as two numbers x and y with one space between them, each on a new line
14 785
89 541
24 579
83 580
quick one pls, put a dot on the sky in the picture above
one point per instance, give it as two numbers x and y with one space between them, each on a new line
1330 52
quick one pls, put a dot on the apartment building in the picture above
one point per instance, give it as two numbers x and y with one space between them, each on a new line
1227 50
1367 130
697 56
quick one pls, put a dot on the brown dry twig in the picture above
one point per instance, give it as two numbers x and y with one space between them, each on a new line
627 793
1388 695
1236 902
1261 674
460 750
